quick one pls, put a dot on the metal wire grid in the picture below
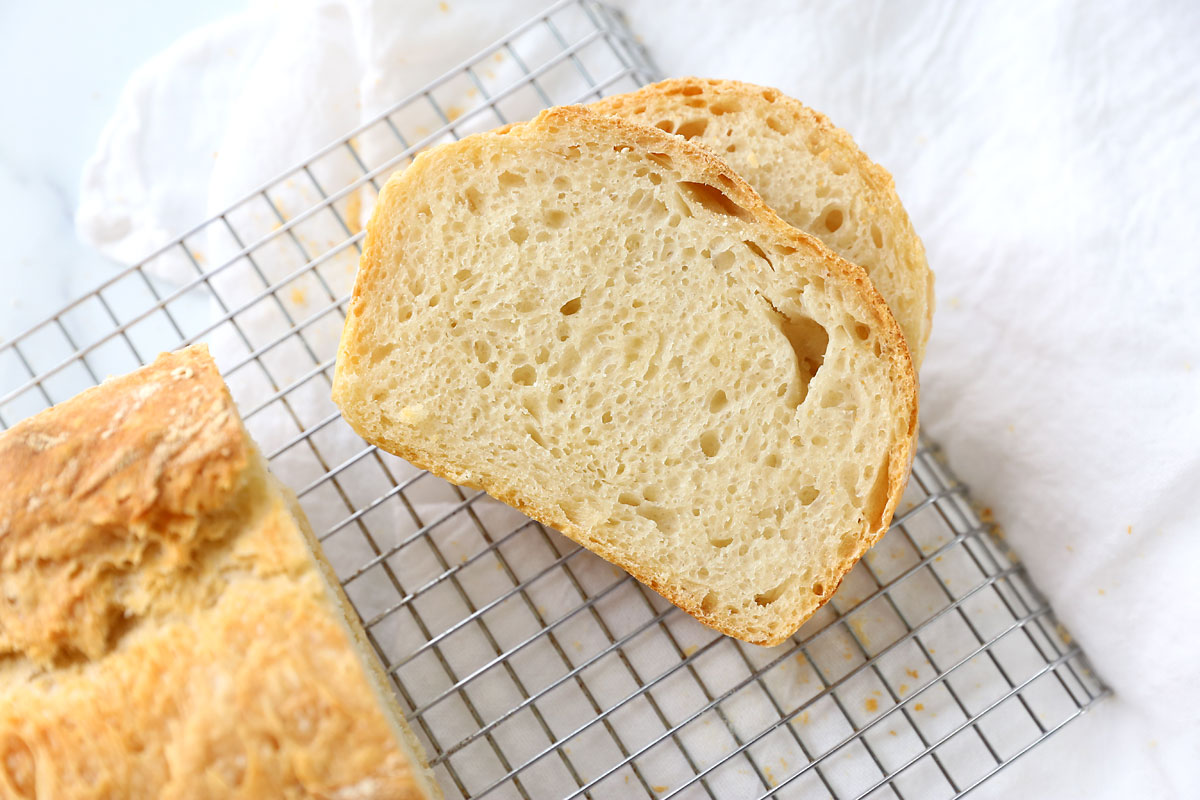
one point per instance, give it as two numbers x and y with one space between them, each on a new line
530 667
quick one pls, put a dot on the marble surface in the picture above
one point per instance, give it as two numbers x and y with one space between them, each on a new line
56 100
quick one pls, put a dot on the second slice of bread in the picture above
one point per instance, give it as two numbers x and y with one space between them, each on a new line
602 325
809 171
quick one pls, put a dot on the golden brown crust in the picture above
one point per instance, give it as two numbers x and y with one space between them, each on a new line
832 143
707 167
165 629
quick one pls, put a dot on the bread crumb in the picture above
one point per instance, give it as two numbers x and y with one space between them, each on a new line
659 789
444 7
1100 591
986 515
803 718
354 211
872 704
903 688
919 707
297 296
499 56
912 673
752 159
689 651
767 774
955 302
892 733
1070 549
1129 530
453 113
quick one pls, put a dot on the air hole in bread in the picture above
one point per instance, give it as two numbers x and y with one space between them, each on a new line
770 95
723 260
692 128
833 219
771 595
778 124
877 497
710 443
732 148
712 199
758 251
666 125
709 603
831 399
525 376
571 306
483 351
510 180
473 198
691 91
839 167
772 460
554 218
876 235
808 495
818 589
663 518
662 159
518 233
536 436
718 401
862 331
819 441
629 499
652 494
725 105
808 341
482 380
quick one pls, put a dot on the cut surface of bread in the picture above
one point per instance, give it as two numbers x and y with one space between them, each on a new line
165 630
809 172
603 326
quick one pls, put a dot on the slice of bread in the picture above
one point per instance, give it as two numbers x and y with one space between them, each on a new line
165 628
811 173
603 326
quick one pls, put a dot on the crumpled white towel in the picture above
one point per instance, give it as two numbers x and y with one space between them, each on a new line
1047 154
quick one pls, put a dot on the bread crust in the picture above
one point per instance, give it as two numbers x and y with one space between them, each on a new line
881 192
164 630
587 122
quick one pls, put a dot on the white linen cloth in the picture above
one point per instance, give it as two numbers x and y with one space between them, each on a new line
1048 156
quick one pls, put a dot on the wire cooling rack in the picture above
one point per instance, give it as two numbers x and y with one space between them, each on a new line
528 666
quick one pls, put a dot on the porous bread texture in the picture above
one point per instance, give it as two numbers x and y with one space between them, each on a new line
165 630
809 172
603 326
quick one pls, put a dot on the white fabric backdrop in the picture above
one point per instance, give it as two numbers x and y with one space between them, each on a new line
1049 155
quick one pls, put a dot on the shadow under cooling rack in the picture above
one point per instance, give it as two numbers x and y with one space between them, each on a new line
528 666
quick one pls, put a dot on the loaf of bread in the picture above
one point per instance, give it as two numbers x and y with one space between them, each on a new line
809 172
602 325
165 629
